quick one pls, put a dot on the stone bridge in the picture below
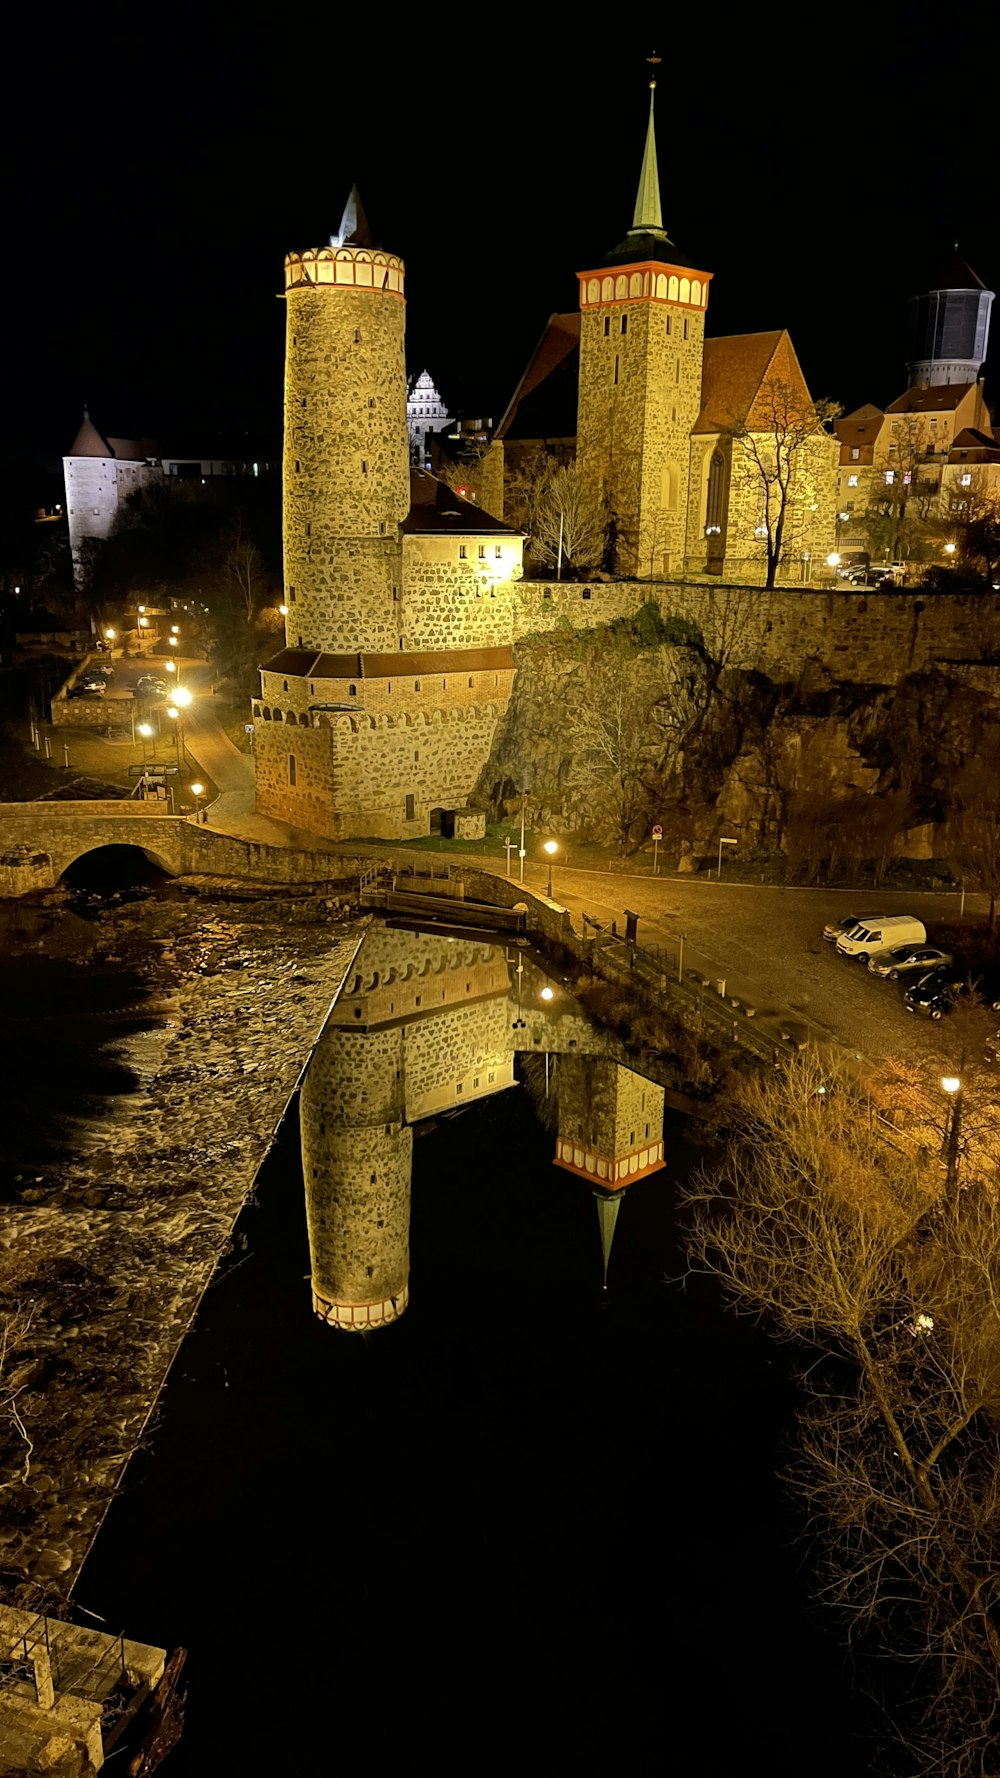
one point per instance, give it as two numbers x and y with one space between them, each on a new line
40 840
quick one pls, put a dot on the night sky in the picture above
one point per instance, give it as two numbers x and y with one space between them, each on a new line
164 161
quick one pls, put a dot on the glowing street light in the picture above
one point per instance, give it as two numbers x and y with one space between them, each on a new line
197 791
950 548
283 610
953 1087
175 629
547 993
145 729
171 666
109 635
833 560
174 641
144 623
551 847
182 697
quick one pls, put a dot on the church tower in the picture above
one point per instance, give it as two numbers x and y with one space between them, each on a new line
642 334
346 468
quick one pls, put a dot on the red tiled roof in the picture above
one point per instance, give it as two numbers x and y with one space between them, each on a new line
930 398
733 369
560 341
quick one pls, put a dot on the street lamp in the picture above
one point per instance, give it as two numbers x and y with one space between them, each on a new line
551 847
547 993
109 635
182 696
833 560
175 629
171 666
950 548
173 641
953 1087
144 623
144 730
283 610
197 791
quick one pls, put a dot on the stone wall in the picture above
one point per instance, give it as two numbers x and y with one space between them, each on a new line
640 395
448 602
465 1053
346 465
356 1161
859 635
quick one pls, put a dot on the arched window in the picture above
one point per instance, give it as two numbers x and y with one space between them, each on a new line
661 286
353 691
685 290
696 291
715 510
670 482
621 286
607 290
291 770
635 284
672 290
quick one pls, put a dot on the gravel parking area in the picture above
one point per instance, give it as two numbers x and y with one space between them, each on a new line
767 944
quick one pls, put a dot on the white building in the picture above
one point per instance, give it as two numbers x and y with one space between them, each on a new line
425 413
101 473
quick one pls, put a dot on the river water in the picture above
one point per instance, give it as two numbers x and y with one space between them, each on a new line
533 1523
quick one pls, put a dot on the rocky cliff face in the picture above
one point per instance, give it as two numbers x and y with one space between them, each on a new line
711 747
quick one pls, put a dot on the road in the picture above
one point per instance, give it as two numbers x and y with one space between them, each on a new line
764 942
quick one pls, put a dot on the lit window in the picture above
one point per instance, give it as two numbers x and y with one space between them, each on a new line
907 477
852 481
498 553
855 454
966 480
482 552
890 476
933 421
462 552
895 426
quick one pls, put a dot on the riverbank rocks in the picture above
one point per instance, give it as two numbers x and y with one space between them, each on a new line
105 1257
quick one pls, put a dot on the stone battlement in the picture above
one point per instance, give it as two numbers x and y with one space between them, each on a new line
345 268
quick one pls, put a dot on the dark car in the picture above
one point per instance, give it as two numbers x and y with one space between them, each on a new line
934 994
150 685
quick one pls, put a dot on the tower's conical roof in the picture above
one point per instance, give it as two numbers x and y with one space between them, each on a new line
88 441
648 218
354 230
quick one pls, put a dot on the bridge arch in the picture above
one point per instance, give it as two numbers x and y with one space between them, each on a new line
126 862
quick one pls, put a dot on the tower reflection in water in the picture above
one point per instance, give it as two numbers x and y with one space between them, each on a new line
426 1024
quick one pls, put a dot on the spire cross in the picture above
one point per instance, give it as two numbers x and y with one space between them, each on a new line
654 62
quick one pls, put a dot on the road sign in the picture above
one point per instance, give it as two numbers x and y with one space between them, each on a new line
657 832
248 728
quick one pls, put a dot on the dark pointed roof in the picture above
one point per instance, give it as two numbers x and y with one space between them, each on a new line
354 230
434 507
953 273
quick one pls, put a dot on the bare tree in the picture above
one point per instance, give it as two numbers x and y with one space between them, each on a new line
243 569
902 496
842 1237
608 710
569 518
975 820
768 443
970 519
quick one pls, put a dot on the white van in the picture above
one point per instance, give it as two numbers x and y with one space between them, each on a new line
881 932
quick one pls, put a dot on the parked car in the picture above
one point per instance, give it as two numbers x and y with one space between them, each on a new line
907 960
93 686
150 685
87 691
881 934
934 994
835 928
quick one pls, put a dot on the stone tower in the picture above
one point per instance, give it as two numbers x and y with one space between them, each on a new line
346 469
642 334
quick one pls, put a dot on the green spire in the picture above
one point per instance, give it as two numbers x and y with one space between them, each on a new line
648 218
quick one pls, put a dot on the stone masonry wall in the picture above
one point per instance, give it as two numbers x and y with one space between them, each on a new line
465 1053
448 602
640 395
356 1160
861 635
396 978
346 465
